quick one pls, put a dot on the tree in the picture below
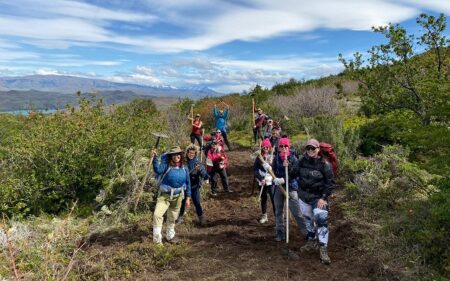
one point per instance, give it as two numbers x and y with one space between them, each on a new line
397 77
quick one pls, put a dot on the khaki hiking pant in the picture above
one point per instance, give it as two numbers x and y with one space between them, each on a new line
172 207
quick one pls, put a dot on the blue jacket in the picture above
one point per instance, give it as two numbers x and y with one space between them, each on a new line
280 171
221 119
175 178
195 175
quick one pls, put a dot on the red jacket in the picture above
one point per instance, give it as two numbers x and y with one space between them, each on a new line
217 158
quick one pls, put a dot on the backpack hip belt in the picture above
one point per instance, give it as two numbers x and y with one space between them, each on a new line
174 192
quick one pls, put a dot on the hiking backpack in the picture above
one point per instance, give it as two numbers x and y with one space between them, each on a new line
327 152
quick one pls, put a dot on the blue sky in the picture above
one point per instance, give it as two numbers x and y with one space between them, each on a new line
228 45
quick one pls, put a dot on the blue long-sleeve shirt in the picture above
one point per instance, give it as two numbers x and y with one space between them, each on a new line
175 178
221 119
196 175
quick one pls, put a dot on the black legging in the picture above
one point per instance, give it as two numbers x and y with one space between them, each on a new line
225 139
267 189
196 137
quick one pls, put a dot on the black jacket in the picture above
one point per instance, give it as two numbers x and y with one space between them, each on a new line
315 178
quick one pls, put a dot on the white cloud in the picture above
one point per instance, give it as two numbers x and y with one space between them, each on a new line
207 23
48 71
144 75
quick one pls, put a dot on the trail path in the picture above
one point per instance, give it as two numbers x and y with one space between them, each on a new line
233 245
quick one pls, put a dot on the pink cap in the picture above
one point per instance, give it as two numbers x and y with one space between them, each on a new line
266 143
284 141
313 143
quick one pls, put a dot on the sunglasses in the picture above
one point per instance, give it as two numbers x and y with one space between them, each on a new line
284 146
310 148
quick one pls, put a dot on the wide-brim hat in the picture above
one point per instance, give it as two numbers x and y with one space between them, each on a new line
175 150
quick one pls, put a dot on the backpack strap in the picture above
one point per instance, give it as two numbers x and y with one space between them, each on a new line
163 176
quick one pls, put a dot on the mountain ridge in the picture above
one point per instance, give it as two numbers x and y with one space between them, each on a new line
66 84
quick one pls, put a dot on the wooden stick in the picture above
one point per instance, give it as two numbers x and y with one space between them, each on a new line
271 173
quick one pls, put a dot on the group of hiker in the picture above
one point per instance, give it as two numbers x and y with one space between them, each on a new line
303 182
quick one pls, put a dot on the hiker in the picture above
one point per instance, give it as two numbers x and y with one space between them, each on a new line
275 137
216 162
174 185
316 184
264 179
196 133
260 120
268 130
221 119
197 173
220 140
282 159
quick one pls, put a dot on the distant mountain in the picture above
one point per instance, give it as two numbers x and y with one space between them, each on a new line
70 85
24 100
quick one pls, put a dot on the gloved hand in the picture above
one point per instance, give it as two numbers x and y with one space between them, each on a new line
266 166
278 181
207 181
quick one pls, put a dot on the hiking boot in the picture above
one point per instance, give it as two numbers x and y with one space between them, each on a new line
324 258
179 220
310 245
229 190
263 219
279 236
202 220
214 193
174 241
157 237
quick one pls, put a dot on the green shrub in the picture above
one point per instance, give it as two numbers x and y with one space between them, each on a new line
72 155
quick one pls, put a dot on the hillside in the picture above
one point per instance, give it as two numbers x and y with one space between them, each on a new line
24 100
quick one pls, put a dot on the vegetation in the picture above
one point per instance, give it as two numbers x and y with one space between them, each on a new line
387 117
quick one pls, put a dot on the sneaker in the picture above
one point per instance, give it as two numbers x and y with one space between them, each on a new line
214 193
263 219
229 190
202 220
279 236
174 241
310 245
324 258
179 220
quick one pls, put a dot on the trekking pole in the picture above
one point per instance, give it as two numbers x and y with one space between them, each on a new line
147 172
258 155
201 146
287 205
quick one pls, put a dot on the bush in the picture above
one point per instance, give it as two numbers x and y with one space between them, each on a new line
71 155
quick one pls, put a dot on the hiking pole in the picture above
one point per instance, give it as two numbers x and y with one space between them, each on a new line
258 155
147 172
287 204
201 146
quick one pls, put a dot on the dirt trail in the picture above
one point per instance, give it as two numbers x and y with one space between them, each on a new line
234 246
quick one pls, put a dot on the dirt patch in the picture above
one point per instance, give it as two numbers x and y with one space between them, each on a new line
234 246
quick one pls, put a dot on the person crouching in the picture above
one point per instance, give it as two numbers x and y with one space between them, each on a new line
174 184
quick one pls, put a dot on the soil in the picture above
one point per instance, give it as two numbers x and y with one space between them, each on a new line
234 246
